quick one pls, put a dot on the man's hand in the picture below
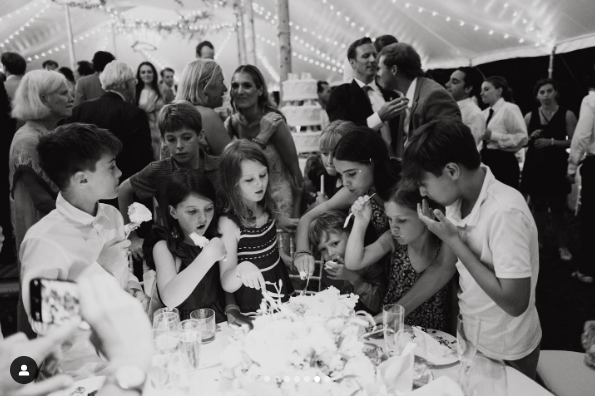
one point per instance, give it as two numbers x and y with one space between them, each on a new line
441 227
236 318
37 349
113 254
136 246
392 109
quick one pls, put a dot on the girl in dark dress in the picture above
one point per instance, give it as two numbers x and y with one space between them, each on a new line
544 172
187 275
248 229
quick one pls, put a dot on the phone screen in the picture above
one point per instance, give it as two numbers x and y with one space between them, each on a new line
54 301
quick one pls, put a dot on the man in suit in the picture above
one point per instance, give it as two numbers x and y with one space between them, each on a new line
168 84
89 87
400 70
362 101
114 112
14 66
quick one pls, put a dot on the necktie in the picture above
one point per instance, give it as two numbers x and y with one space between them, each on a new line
367 89
490 116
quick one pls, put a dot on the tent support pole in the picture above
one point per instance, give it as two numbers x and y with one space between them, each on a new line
550 70
114 40
284 35
250 18
241 31
70 37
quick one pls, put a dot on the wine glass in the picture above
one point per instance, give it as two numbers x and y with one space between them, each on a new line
393 320
468 328
486 376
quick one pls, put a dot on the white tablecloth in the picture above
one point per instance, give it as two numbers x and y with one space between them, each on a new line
518 384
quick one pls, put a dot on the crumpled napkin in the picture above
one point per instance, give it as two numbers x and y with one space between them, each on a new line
395 375
442 386
433 347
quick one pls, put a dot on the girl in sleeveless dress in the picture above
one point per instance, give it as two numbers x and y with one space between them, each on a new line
187 274
247 228
413 249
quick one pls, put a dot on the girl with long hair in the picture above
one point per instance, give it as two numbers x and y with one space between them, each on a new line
151 99
248 228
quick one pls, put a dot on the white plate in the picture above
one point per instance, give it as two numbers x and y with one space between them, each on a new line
90 385
447 340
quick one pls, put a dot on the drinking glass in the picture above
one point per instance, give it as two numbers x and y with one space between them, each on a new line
190 344
393 320
166 341
486 376
159 371
421 367
206 319
468 328
166 320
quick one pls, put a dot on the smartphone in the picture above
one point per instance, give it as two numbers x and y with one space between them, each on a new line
53 301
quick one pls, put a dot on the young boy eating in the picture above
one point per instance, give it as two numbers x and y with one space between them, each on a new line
329 238
490 229
81 235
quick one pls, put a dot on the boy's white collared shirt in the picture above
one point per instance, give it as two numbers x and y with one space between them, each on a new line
501 232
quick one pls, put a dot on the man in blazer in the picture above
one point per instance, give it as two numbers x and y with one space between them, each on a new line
89 87
400 70
114 112
362 101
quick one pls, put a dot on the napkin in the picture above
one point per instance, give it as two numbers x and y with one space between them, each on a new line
433 347
396 374
442 386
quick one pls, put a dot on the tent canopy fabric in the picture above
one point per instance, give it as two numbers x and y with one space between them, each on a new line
446 33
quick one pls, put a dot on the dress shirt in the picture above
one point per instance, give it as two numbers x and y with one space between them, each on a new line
583 140
410 96
377 101
473 118
509 131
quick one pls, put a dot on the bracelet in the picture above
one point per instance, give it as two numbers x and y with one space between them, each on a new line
231 307
552 141
301 252
260 142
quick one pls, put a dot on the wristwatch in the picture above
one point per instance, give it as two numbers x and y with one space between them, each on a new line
128 377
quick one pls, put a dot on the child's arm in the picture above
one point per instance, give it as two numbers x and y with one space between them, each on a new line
175 287
342 200
356 255
509 241
234 275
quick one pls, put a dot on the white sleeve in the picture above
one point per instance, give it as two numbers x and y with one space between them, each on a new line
517 135
582 134
510 240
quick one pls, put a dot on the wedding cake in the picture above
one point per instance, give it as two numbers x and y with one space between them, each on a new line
302 111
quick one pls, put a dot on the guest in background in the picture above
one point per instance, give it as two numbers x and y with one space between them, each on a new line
205 50
84 68
66 72
544 171
253 109
8 127
506 131
379 43
324 93
361 101
15 67
49 65
42 100
400 70
115 112
150 98
89 87
464 85
168 84
583 149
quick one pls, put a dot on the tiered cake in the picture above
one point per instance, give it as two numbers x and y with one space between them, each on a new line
303 113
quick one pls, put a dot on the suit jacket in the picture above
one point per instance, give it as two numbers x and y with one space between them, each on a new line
430 102
349 102
88 88
127 122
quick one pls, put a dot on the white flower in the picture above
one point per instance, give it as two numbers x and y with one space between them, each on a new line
199 240
138 213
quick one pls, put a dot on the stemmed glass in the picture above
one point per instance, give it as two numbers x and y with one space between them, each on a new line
486 376
468 328
393 321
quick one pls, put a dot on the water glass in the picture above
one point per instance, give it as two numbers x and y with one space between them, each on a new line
158 372
486 376
166 320
166 341
166 309
393 320
206 319
468 328
190 345
588 341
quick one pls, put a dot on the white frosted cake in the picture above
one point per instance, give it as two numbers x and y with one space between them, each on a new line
295 88
305 115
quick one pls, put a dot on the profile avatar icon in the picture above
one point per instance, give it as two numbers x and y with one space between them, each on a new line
23 372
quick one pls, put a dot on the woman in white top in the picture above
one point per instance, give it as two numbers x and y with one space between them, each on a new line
506 131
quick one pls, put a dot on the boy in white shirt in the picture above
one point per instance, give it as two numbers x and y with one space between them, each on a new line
490 229
81 234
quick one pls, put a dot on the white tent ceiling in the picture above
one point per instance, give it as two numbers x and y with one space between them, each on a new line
447 33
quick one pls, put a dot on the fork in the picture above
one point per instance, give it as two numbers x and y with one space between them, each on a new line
351 214
306 288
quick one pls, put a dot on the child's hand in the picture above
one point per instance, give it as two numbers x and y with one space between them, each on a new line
215 250
320 198
441 227
235 317
113 254
362 209
250 275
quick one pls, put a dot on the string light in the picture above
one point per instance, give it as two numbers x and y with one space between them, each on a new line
63 47
24 9
26 24
267 66
223 44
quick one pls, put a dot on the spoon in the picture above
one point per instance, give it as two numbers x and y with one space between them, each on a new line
351 214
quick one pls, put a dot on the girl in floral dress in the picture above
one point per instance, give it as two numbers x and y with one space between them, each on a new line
413 249
248 229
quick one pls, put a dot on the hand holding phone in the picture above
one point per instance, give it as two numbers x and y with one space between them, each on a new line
54 301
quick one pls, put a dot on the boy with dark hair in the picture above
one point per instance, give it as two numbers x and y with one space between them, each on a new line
329 238
489 227
81 235
205 50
